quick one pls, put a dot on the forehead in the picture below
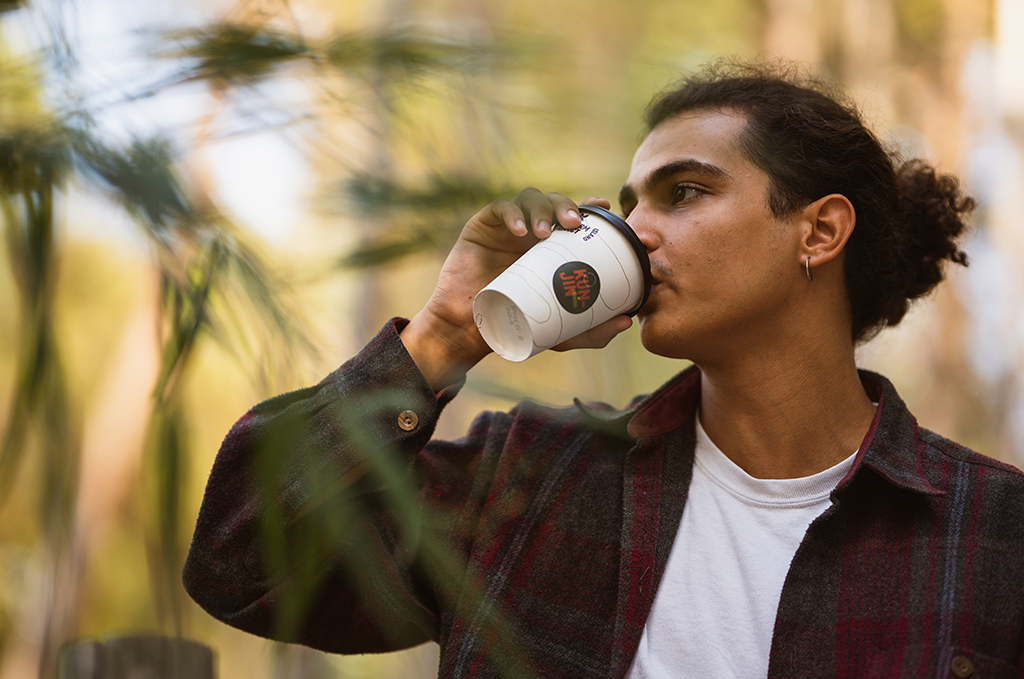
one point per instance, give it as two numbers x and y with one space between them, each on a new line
708 137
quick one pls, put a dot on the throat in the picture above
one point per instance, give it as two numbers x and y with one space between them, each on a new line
785 434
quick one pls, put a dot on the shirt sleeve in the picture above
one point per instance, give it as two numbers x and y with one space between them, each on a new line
330 519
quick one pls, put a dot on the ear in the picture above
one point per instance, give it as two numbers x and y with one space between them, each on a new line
827 224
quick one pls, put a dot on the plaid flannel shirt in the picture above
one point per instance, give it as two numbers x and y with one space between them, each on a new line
534 545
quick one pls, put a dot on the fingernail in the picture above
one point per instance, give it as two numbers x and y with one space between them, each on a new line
520 225
573 214
543 227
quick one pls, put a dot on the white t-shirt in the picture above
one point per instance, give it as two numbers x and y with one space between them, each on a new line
714 612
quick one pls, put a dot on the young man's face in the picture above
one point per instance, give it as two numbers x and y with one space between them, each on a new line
725 269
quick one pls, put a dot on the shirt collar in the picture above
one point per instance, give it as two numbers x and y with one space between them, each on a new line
672 405
890 448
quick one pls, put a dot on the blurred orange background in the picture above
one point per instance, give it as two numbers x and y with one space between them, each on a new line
320 158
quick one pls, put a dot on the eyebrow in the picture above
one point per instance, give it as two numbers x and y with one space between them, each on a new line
627 194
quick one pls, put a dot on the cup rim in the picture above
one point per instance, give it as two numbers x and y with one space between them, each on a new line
634 240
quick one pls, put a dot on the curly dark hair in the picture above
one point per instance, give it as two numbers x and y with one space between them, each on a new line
811 142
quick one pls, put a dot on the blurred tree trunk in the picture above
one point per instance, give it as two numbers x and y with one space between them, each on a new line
115 430
1009 76
933 104
901 61
794 29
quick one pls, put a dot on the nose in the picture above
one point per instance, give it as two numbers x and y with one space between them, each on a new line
640 221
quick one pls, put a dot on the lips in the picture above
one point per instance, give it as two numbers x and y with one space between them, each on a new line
649 303
657 271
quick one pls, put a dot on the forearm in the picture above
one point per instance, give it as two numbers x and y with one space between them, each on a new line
295 478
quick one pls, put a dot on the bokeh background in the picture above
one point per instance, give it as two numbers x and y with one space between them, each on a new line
208 202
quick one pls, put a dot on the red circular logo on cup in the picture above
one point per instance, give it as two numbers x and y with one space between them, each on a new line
576 286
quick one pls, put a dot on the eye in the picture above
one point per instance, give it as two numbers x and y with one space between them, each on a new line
684 192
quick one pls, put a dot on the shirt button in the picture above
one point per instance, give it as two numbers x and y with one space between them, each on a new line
407 420
962 667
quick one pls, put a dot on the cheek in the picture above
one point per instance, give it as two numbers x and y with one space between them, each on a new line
701 250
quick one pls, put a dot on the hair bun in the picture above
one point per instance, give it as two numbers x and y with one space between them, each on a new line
932 209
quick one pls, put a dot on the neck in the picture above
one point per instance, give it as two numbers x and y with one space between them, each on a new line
790 417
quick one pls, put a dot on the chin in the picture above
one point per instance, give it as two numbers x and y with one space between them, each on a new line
661 341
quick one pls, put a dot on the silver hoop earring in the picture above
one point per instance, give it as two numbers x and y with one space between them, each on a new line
807 265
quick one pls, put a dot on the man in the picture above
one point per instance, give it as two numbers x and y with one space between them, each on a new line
768 512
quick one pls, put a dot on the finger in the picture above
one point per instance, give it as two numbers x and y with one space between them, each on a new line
540 214
505 212
597 337
566 212
600 202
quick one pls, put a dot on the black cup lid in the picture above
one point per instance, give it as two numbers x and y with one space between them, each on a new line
634 240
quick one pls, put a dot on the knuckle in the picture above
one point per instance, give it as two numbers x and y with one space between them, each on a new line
507 208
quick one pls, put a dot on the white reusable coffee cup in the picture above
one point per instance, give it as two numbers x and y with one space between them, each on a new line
565 285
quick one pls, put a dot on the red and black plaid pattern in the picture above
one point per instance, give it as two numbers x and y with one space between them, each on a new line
534 545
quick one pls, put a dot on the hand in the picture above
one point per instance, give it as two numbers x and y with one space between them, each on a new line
442 338
597 337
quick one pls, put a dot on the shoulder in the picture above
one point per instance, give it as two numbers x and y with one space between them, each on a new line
527 419
537 438
946 449
919 459
538 421
990 482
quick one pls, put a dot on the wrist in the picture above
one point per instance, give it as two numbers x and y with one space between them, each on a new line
443 351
